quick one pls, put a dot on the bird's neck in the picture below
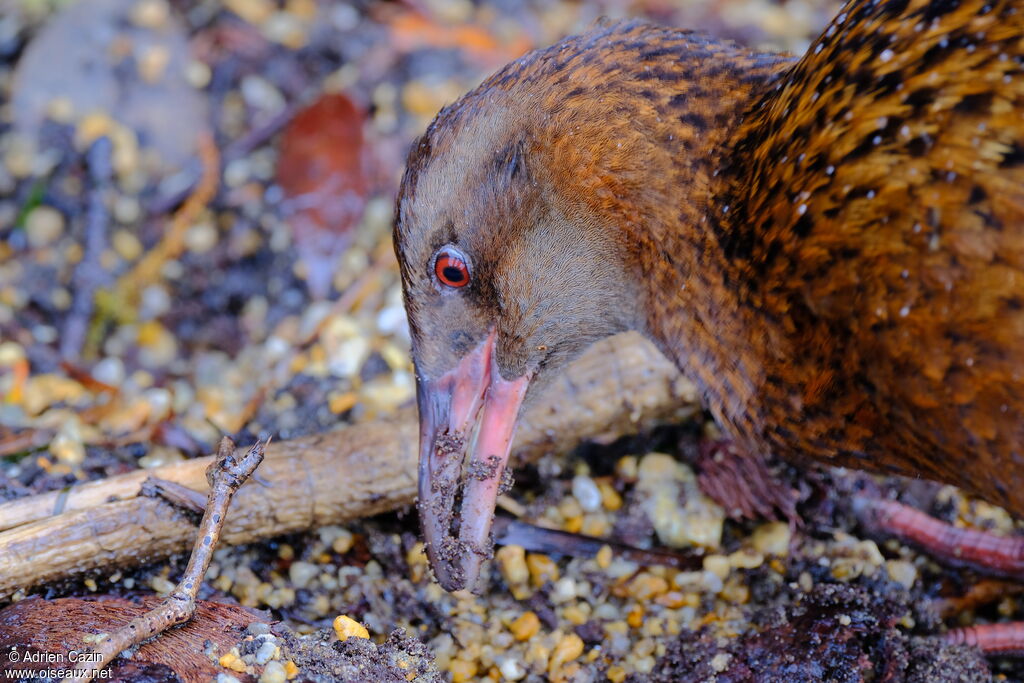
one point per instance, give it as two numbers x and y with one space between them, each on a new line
695 308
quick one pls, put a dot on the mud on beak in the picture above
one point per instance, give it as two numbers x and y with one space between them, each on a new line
470 410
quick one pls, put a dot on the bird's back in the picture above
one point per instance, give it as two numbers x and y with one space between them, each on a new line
877 202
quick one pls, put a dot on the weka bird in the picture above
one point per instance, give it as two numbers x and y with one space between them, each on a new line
831 247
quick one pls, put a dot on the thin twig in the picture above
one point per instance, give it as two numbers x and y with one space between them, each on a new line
89 274
539 539
147 270
225 475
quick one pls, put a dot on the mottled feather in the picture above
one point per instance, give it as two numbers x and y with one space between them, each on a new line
832 247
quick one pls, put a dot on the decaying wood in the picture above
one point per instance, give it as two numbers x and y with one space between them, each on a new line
35 625
225 475
620 386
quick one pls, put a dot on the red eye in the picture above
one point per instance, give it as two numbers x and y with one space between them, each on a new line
451 269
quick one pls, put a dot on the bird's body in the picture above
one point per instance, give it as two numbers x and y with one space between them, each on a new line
832 247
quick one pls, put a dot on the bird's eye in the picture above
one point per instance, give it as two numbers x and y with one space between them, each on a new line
451 268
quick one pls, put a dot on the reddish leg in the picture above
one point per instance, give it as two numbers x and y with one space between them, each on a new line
984 552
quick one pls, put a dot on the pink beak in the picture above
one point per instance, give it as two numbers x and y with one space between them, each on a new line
473 394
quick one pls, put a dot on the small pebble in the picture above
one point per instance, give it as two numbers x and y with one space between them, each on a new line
772 539
266 652
611 498
542 569
347 627
43 226
743 559
568 648
301 573
902 572
512 564
462 670
274 673
150 13
564 590
201 238
604 557
153 63
127 245
343 542
511 669
257 628
525 627
646 587
586 493
232 661
718 565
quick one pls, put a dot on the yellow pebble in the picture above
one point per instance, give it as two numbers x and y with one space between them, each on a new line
594 525
604 557
772 538
635 618
647 587
676 599
573 524
574 615
232 661
525 627
745 559
616 674
735 591
150 333
542 569
627 467
462 670
718 565
290 669
512 564
339 403
347 627
568 648
610 498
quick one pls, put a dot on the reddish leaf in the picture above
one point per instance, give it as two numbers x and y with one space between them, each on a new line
322 170
412 31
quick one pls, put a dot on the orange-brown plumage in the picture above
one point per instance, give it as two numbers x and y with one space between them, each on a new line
832 247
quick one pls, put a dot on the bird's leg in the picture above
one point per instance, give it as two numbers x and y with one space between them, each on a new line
984 552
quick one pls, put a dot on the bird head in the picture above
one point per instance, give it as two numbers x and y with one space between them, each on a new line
513 261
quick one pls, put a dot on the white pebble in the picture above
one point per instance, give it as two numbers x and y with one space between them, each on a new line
301 573
564 590
511 670
274 673
266 652
586 493
43 226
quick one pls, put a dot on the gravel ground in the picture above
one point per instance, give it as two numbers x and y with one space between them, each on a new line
146 309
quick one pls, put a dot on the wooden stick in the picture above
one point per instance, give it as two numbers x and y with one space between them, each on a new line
621 386
225 475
